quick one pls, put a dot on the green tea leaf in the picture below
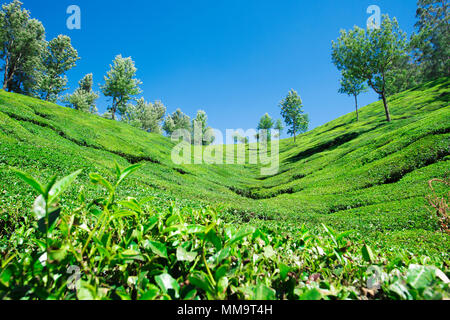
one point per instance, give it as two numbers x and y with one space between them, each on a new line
264 293
420 277
195 229
61 186
127 172
86 291
157 248
284 270
52 218
39 208
98 179
311 294
367 254
184 255
132 255
200 280
30 181
212 237
400 290
152 222
151 293
167 284
117 169
222 285
241 234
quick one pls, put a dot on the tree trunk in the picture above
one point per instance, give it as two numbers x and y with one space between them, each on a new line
356 104
386 107
113 109
5 78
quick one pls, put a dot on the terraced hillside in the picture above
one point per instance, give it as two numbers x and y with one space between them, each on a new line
342 189
369 176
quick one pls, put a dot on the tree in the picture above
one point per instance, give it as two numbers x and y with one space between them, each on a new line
293 114
58 57
21 42
121 84
371 54
404 74
131 116
201 121
431 45
279 126
145 115
352 86
84 97
265 123
175 121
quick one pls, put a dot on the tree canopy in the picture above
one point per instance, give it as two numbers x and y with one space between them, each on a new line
370 54
146 115
200 123
175 121
293 114
121 85
352 86
84 97
22 40
431 44
58 57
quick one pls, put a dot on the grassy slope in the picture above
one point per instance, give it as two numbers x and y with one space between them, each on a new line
370 176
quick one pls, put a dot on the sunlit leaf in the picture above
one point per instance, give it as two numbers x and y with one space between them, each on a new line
30 181
157 248
184 255
420 277
168 284
367 254
61 186
128 171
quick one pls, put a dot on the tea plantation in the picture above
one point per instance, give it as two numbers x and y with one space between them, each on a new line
347 216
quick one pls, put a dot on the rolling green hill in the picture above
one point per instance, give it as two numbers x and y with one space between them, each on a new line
368 176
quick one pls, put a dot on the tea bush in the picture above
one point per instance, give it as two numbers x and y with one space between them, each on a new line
112 248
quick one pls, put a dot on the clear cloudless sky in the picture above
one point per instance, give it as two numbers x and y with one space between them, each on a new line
236 59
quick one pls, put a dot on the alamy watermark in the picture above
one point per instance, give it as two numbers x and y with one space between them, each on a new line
73 282
374 21
73 22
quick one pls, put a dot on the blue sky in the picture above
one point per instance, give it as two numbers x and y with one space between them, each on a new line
236 59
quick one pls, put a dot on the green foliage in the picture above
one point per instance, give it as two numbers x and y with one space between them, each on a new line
265 125
293 114
367 181
84 97
22 40
58 57
201 133
121 85
177 121
279 126
145 115
370 54
352 86
431 45
133 249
